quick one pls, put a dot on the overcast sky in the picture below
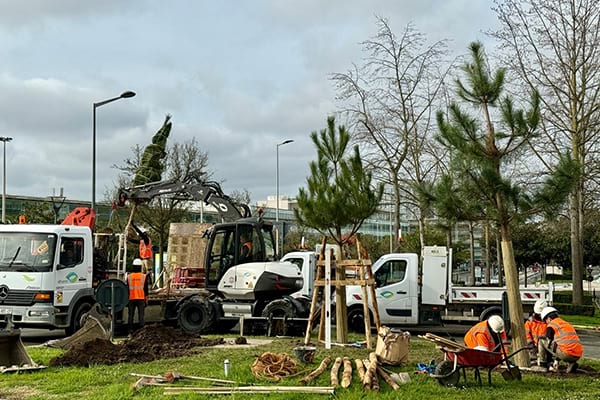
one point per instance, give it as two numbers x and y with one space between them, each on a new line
239 76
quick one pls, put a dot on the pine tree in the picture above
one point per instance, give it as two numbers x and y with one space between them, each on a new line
481 152
339 196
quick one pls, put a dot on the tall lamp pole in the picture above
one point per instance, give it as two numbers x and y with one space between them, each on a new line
4 139
123 95
277 197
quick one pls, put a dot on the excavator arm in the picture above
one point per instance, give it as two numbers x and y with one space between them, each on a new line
209 192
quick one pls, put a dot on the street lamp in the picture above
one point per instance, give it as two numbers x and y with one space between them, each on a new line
123 95
4 139
277 197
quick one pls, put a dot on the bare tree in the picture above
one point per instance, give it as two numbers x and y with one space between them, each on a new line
390 101
554 46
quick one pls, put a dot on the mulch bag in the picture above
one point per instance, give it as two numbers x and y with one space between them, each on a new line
392 347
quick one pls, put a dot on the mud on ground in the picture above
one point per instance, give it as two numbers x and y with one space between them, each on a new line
150 343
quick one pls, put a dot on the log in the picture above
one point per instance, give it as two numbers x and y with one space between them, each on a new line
310 377
371 373
335 369
386 377
360 368
347 374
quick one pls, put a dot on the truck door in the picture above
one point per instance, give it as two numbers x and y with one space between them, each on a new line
396 297
73 270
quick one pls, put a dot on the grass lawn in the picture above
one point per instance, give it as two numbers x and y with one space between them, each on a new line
113 382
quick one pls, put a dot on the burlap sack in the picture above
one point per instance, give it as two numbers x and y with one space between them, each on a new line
392 347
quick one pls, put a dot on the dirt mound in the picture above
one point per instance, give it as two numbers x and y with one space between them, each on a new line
149 343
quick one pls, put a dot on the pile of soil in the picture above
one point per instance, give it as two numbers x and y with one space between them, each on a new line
150 343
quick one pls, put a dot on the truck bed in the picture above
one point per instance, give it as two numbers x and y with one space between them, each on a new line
492 294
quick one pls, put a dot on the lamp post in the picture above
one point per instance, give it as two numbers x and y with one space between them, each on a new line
4 139
123 95
277 196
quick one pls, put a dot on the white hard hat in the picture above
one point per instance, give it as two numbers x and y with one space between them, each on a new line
496 323
539 306
137 261
547 311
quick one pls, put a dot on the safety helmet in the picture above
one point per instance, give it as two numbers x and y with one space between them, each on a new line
547 311
496 323
539 306
137 261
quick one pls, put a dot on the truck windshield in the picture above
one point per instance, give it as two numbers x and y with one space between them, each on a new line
26 251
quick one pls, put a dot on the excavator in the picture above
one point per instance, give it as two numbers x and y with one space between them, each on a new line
242 274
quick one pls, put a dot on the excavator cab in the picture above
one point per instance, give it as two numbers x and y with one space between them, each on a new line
230 244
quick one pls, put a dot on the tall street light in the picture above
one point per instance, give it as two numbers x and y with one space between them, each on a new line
277 197
123 95
4 139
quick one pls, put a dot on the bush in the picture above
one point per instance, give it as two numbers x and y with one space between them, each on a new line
573 309
567 298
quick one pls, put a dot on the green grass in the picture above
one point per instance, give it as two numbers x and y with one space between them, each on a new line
113 382
583 321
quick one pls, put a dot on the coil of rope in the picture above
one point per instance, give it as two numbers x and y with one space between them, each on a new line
274 366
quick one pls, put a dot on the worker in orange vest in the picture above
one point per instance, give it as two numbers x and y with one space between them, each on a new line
561 341
486 335
535 328
138 293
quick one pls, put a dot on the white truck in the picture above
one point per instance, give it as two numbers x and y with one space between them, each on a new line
412 294
46 275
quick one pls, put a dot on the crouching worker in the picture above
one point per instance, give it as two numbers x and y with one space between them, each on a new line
535 328
486 335
560 342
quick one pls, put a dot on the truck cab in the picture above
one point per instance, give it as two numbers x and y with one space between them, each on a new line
46 275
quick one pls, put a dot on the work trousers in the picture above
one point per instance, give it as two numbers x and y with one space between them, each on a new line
140 305
547 350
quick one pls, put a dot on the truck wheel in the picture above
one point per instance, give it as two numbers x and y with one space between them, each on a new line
76 318
280 308
356 319
195 315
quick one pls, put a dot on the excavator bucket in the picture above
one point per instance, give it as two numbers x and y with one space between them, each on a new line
13 355
96 325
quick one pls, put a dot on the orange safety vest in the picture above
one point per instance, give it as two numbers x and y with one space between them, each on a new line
136 281
247 249
480 335
566 338
534 329
145 251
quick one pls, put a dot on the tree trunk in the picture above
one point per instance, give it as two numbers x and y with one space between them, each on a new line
421 222
486 253
517 328
575 216
499 260
472 251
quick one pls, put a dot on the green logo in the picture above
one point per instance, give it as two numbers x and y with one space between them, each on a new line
387 294
28 278
72 277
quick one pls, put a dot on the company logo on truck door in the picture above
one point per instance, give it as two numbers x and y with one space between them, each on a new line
72 277
386 294
28 278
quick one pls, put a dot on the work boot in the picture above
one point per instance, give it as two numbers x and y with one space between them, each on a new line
540 367
572 368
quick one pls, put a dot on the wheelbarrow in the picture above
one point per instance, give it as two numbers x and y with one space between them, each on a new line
457 360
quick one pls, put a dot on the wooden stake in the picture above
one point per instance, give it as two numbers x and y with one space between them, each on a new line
360 368
347 374
386 377
310 377
335 371
248 389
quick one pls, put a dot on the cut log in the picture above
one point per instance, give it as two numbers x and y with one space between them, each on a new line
386 377
347 374
322 367
371 373
360 368
335 370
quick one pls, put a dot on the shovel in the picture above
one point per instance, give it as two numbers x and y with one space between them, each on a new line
512 372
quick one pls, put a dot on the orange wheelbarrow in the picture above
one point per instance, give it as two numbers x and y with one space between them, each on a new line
456 361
